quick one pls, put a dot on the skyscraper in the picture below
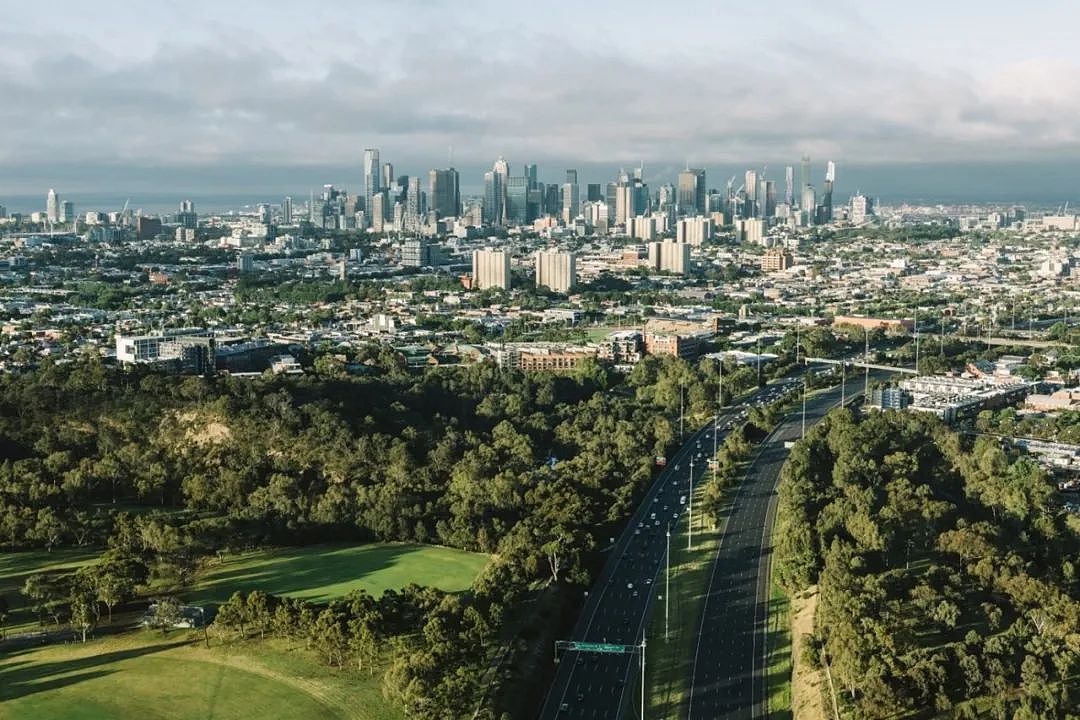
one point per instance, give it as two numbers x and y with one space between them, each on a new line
530 176
751 185
501 168
691 192
789 185
52 206
387 175
517 201
571 177
372 178
805 171
414 205
571 202
491 198
593 192
286 211
443 195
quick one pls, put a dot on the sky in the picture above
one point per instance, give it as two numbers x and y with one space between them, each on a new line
271 95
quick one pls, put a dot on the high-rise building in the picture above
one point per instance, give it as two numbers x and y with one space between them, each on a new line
372 177
624 203
805 172
694 231
552 199
517 201
789 185
808 205
492 198
443 194
414 205
750 230
501 168
593 192
52 206
286 211
691 193
571 177
861 209
776 260
67 211
491 269
387 175
530 176
670 256
556 270
751 182
827 197
378 213
767 198
419 252
571 202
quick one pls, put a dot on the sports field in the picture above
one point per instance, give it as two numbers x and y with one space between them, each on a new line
142 675
323 572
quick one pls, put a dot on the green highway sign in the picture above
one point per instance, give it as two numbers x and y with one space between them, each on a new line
601 647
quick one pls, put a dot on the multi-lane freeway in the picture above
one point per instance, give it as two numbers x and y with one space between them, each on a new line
728 679
592 685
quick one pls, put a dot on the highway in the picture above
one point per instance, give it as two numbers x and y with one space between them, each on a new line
728 681
593 685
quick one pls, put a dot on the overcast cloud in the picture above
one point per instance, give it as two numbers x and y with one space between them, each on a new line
155 85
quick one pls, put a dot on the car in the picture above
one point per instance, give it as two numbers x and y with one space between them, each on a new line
682 499
630 586
648 581
564 708
652 516
656 523
635 593
676 468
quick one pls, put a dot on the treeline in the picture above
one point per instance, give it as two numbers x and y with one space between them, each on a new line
946 571
165 471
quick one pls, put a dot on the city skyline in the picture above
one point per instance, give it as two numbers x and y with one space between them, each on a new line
291 91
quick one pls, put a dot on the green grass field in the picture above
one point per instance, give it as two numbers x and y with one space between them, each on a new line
143 675
779 661
323 572
16 567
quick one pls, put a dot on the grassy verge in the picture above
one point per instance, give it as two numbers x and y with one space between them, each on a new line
778 660
667 670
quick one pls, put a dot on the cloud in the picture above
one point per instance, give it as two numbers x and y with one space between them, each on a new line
224 96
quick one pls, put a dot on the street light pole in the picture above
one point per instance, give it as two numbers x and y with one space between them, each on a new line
804 388
680 411
667 582
642 677
690 510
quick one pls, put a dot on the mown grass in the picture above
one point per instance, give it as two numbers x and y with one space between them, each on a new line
145 675
15 567
320 573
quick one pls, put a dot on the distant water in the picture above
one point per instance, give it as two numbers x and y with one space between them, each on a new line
149 203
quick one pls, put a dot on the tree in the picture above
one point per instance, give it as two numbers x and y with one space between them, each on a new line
84 614
114 582
166 614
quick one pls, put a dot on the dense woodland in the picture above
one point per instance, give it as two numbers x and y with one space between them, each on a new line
946 569
162 472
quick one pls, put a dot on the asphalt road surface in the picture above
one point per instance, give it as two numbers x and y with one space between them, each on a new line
728 679
594 685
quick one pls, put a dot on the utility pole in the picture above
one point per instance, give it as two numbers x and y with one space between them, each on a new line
690 509
804 388
866 361
680 411
667 582
759 363
843 379
642 677
916 328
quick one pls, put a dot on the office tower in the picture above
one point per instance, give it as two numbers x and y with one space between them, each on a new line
378 213
517 201
52 206
491 198
372 176
808 205
414 205
263 213
552 200
665 196
245 263
571 177
750 182
571 203
609 195
67 211
750 231
789 185
419 252
490 269
443 195
624 203
501 168
387 175
556 270
805 172
691 194
593 193
827 203
766 198
530 176
286 211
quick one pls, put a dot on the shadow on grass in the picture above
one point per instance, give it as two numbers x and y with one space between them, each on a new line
27 677
298 571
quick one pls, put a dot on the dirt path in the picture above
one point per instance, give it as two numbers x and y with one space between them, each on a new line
807 684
